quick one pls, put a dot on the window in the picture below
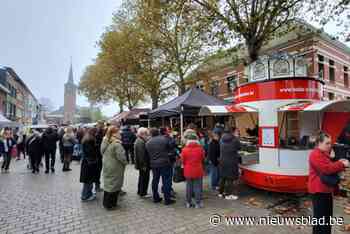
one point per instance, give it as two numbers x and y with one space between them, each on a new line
320 58
331 96
231 83
346 77
320 70
214 88
200 86
259 71
331 71
281 68
301 67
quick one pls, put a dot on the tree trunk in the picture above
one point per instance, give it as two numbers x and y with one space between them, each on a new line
121 106
254 47
155 101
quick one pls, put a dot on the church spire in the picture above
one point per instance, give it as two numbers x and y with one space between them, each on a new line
70 76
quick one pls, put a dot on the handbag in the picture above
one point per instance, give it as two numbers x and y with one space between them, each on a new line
330 180
14 152
178 173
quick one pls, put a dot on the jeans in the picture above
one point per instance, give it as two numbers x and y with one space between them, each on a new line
165 173
194 187
87 191
214 176
7 161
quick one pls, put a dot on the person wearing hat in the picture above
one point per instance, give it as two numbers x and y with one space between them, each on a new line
192 157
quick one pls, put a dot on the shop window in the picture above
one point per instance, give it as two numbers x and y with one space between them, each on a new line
214 88
331 96
346 77
331 71
231 83
289 127
281 68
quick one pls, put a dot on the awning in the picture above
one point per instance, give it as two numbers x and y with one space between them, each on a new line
327 106
224 110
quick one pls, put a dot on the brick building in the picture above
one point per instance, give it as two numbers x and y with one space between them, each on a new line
17 102
310 51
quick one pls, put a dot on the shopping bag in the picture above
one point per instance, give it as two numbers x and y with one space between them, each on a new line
178 173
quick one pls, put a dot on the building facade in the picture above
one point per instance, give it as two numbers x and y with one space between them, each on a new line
17 101
70 98
305 52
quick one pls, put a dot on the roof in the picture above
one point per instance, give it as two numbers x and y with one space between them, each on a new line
132 114
190 101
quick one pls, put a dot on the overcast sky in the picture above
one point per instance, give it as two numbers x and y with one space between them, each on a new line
38 37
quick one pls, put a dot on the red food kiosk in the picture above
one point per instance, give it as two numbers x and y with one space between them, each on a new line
289 111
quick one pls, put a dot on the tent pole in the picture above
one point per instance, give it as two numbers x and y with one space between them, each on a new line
202 122
149 123
171 123
182 122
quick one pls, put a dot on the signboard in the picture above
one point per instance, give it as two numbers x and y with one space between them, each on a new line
279 89
268 137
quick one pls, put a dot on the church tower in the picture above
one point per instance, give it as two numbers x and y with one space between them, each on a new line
70 98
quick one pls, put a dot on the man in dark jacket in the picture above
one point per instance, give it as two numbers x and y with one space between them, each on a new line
128 139
142 162
229 160
49 141
158 150
35 150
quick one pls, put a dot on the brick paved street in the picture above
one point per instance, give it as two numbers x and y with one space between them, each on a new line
51 204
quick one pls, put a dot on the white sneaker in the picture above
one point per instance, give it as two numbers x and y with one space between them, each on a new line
231 197
220 195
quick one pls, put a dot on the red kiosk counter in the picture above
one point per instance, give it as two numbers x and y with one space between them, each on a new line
289 111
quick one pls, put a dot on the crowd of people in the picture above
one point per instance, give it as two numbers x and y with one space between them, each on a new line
105 151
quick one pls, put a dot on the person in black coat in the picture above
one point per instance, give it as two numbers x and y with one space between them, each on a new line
158 150
89 165
213 156
128 140
100 133
229 163
35 150
142 162
49 141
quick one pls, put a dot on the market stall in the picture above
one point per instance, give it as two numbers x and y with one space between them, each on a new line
185 106
4 122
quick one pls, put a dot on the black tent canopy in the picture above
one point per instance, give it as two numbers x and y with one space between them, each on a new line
187 104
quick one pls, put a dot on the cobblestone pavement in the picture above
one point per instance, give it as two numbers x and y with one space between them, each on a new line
51 203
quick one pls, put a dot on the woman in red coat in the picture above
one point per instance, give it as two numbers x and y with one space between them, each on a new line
192 157
320 164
